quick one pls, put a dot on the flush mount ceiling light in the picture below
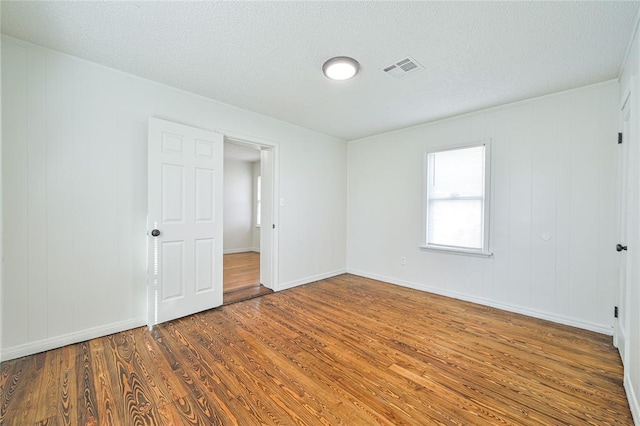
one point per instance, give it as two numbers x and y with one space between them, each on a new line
341 68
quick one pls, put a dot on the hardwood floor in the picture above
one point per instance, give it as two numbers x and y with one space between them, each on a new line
242 277
245 293
345 350
241 270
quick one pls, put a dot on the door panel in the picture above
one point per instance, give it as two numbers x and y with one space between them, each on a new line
626 216
172 193
185 193
205 184
205 268
172 261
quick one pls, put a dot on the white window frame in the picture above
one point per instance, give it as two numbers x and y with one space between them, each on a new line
485 250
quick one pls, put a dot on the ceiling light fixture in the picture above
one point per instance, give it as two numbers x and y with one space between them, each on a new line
341 68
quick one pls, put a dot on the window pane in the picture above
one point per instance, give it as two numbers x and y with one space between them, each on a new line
455 198
458 173
455 223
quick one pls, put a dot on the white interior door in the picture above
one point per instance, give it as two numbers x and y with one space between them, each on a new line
626 204
184 220
266 219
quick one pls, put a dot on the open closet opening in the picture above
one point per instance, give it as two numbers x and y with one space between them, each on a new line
248 179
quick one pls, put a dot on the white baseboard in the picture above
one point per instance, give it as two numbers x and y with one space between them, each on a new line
68 339
256 249
598 328
632 397
238 250
308 280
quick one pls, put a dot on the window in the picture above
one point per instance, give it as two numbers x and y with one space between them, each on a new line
258 204
456 208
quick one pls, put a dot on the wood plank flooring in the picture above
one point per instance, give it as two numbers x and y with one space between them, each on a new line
242 277
342 351
241 270
245 293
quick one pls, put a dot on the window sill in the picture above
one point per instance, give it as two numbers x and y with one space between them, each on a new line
452 250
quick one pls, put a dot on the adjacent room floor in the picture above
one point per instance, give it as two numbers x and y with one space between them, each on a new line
242 277
345 350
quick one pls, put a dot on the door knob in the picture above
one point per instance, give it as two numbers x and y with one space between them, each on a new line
620 247
156 232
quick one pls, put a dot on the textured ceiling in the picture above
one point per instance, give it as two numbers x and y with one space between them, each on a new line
267 56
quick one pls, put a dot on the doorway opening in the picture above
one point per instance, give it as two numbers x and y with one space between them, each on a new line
248 220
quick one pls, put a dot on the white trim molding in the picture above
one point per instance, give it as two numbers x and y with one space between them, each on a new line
560 319
308 280
240 250
632 397
71 338
428 182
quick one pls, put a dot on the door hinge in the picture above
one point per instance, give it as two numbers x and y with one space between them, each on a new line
273 226
619 137
615 312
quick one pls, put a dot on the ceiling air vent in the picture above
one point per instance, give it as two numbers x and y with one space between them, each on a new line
403 68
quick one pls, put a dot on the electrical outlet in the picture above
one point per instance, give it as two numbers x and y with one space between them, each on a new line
403 260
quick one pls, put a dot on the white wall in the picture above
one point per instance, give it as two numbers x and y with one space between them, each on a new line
238 206
553 172
75 172
255 231
327 187
1 208
630 79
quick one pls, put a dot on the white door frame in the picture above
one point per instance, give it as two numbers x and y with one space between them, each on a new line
626 172
273 146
